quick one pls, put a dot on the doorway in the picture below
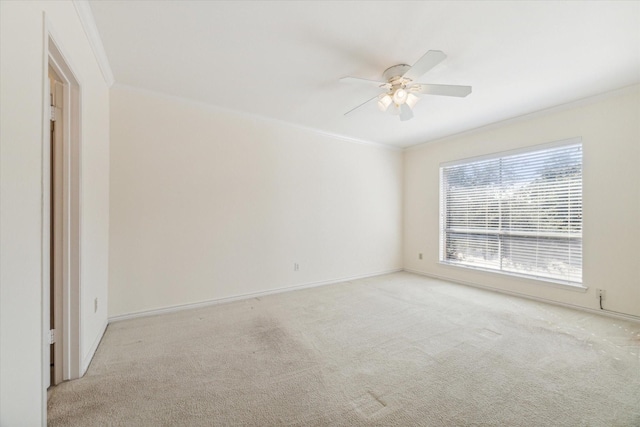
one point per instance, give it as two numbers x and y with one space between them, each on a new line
61 220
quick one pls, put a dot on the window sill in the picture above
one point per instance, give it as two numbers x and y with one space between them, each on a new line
538 280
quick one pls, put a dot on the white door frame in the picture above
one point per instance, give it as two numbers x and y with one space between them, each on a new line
56 224
71 214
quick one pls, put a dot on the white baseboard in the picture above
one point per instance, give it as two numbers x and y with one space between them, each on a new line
607 313
175 308
86 361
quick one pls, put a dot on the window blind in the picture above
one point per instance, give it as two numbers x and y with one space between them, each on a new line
519 213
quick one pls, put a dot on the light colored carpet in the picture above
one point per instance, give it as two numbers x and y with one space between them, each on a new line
394 350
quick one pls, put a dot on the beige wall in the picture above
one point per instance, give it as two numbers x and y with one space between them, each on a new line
208 204
610 131
22 63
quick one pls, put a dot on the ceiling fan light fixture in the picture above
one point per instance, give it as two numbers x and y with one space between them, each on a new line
402 91
384 101
412 100
400 96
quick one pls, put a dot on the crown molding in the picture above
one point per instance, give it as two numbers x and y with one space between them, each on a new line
581 102
265 119
89 25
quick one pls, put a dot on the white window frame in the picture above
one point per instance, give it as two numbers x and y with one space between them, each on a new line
572 284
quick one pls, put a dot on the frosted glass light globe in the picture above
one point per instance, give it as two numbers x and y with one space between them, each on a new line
400 96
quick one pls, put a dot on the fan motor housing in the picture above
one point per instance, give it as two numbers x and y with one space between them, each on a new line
395 72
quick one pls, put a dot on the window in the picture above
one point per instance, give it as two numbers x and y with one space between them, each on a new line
517 213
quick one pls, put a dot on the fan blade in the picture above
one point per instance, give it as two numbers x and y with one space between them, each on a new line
424 64
405 113
365 102
365 81
445 90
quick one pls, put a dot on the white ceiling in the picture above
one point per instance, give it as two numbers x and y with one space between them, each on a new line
283 60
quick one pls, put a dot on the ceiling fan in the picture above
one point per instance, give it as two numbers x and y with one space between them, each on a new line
401 91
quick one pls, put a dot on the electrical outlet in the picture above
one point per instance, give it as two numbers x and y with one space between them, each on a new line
420 255
95 305
296 267
601 294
